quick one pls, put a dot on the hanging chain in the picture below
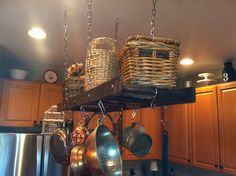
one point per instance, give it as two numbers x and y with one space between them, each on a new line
66 93
153 18
89 15
117 22
89 38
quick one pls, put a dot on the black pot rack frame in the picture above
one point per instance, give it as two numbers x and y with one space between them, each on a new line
117 97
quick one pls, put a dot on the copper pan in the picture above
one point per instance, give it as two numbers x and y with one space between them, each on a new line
77 163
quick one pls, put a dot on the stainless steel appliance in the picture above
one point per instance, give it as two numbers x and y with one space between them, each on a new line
28 155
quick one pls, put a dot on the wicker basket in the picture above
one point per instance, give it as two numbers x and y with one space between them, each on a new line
149 61
75 85
101 63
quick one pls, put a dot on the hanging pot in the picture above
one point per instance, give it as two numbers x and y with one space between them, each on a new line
135 140
102 154
77 163
58 147
60 144
79 134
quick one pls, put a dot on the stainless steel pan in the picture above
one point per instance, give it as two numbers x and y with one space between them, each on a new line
102 155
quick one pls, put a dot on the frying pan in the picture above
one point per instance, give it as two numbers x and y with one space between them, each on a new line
60 144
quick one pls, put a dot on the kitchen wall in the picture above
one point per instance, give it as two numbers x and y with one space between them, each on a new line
0 53
9 61
142 168
216 72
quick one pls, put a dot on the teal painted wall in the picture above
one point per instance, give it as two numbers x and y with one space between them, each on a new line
35 69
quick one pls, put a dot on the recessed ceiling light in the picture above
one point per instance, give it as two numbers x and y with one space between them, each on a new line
186 61
37 33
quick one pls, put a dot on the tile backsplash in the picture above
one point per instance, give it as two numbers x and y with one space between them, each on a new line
142 168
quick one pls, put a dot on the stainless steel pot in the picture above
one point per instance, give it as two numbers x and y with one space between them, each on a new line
135 140
102 154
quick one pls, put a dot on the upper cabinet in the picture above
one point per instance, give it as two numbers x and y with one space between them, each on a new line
19 103
150 119
227 122
210 141
23 102
178 126
205 133
50 94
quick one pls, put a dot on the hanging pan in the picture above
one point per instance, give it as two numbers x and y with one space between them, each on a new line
60 144
77 163
102 155
135 140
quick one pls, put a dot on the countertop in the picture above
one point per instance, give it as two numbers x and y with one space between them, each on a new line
7 129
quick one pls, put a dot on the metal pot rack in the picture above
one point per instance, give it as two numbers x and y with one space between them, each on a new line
117 97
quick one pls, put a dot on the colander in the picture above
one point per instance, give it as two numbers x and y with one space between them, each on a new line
102 155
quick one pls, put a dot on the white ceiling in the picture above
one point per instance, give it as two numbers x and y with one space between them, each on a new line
205 28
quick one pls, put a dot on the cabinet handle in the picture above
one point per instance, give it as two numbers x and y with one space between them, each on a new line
221 167
189 161
216 165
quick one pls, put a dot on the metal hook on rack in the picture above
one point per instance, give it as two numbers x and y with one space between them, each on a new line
102 109
85 114
134 113
163 120
153 99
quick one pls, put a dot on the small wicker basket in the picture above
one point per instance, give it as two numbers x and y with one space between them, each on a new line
101 63
75 85
149 61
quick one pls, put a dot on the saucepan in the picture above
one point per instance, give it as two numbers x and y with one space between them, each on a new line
79 136
135 140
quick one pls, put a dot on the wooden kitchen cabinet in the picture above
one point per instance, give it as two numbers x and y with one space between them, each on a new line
178 125
205 129
150 119
19 103
227 122
50 94
23 102
212 131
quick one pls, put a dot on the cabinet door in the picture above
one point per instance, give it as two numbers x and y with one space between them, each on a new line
205 129
227 117
19 103
178 126
151 121
149 118
51 94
